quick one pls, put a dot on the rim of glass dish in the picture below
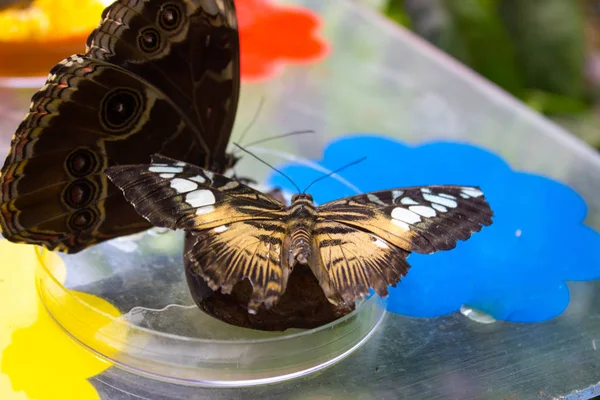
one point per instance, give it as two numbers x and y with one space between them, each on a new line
42 252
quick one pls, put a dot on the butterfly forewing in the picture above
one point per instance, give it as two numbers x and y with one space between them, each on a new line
158 77
188 49
421 219
177 195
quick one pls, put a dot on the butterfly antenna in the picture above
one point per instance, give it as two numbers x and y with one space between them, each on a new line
254 118
292 133
334 172
268 165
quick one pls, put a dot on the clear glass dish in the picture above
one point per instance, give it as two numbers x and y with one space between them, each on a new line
161 334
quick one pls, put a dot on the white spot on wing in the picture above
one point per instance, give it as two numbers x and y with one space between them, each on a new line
405 215
170 170
200 198
424 211
209 175
198 178
205 210
448 196
183 185
396 194
167 176
472 192
439 207
374 199
403 225
408 201
464 196
425 190
221 229
440 200
380 243
230 185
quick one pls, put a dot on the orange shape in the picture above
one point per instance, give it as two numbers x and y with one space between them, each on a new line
272 35
33 39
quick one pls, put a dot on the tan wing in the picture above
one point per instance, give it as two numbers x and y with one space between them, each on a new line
362 242
239 231
347 262
251 250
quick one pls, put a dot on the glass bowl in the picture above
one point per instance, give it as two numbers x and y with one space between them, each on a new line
161 333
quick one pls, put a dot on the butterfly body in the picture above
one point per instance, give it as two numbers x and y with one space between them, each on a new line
351 245
157 76
301 219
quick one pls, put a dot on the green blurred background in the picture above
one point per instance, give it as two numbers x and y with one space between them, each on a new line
545 52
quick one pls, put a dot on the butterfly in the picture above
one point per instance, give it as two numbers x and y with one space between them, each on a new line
157 76
351 245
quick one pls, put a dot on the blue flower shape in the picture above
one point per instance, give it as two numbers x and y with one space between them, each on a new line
514 270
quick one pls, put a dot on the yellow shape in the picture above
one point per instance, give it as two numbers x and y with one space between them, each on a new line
47 20
40 360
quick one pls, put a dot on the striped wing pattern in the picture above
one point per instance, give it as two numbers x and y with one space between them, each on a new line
348 261
239 231
363 240
354 244
252 249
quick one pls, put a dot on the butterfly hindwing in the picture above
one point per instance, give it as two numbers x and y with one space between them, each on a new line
348 261
54 191
361 242
117 104
251 250
237 231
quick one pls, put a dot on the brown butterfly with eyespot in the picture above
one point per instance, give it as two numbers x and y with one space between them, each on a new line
351 245
157 76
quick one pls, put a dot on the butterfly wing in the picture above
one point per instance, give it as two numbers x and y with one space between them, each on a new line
189 50
125 99
238 231
362 241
